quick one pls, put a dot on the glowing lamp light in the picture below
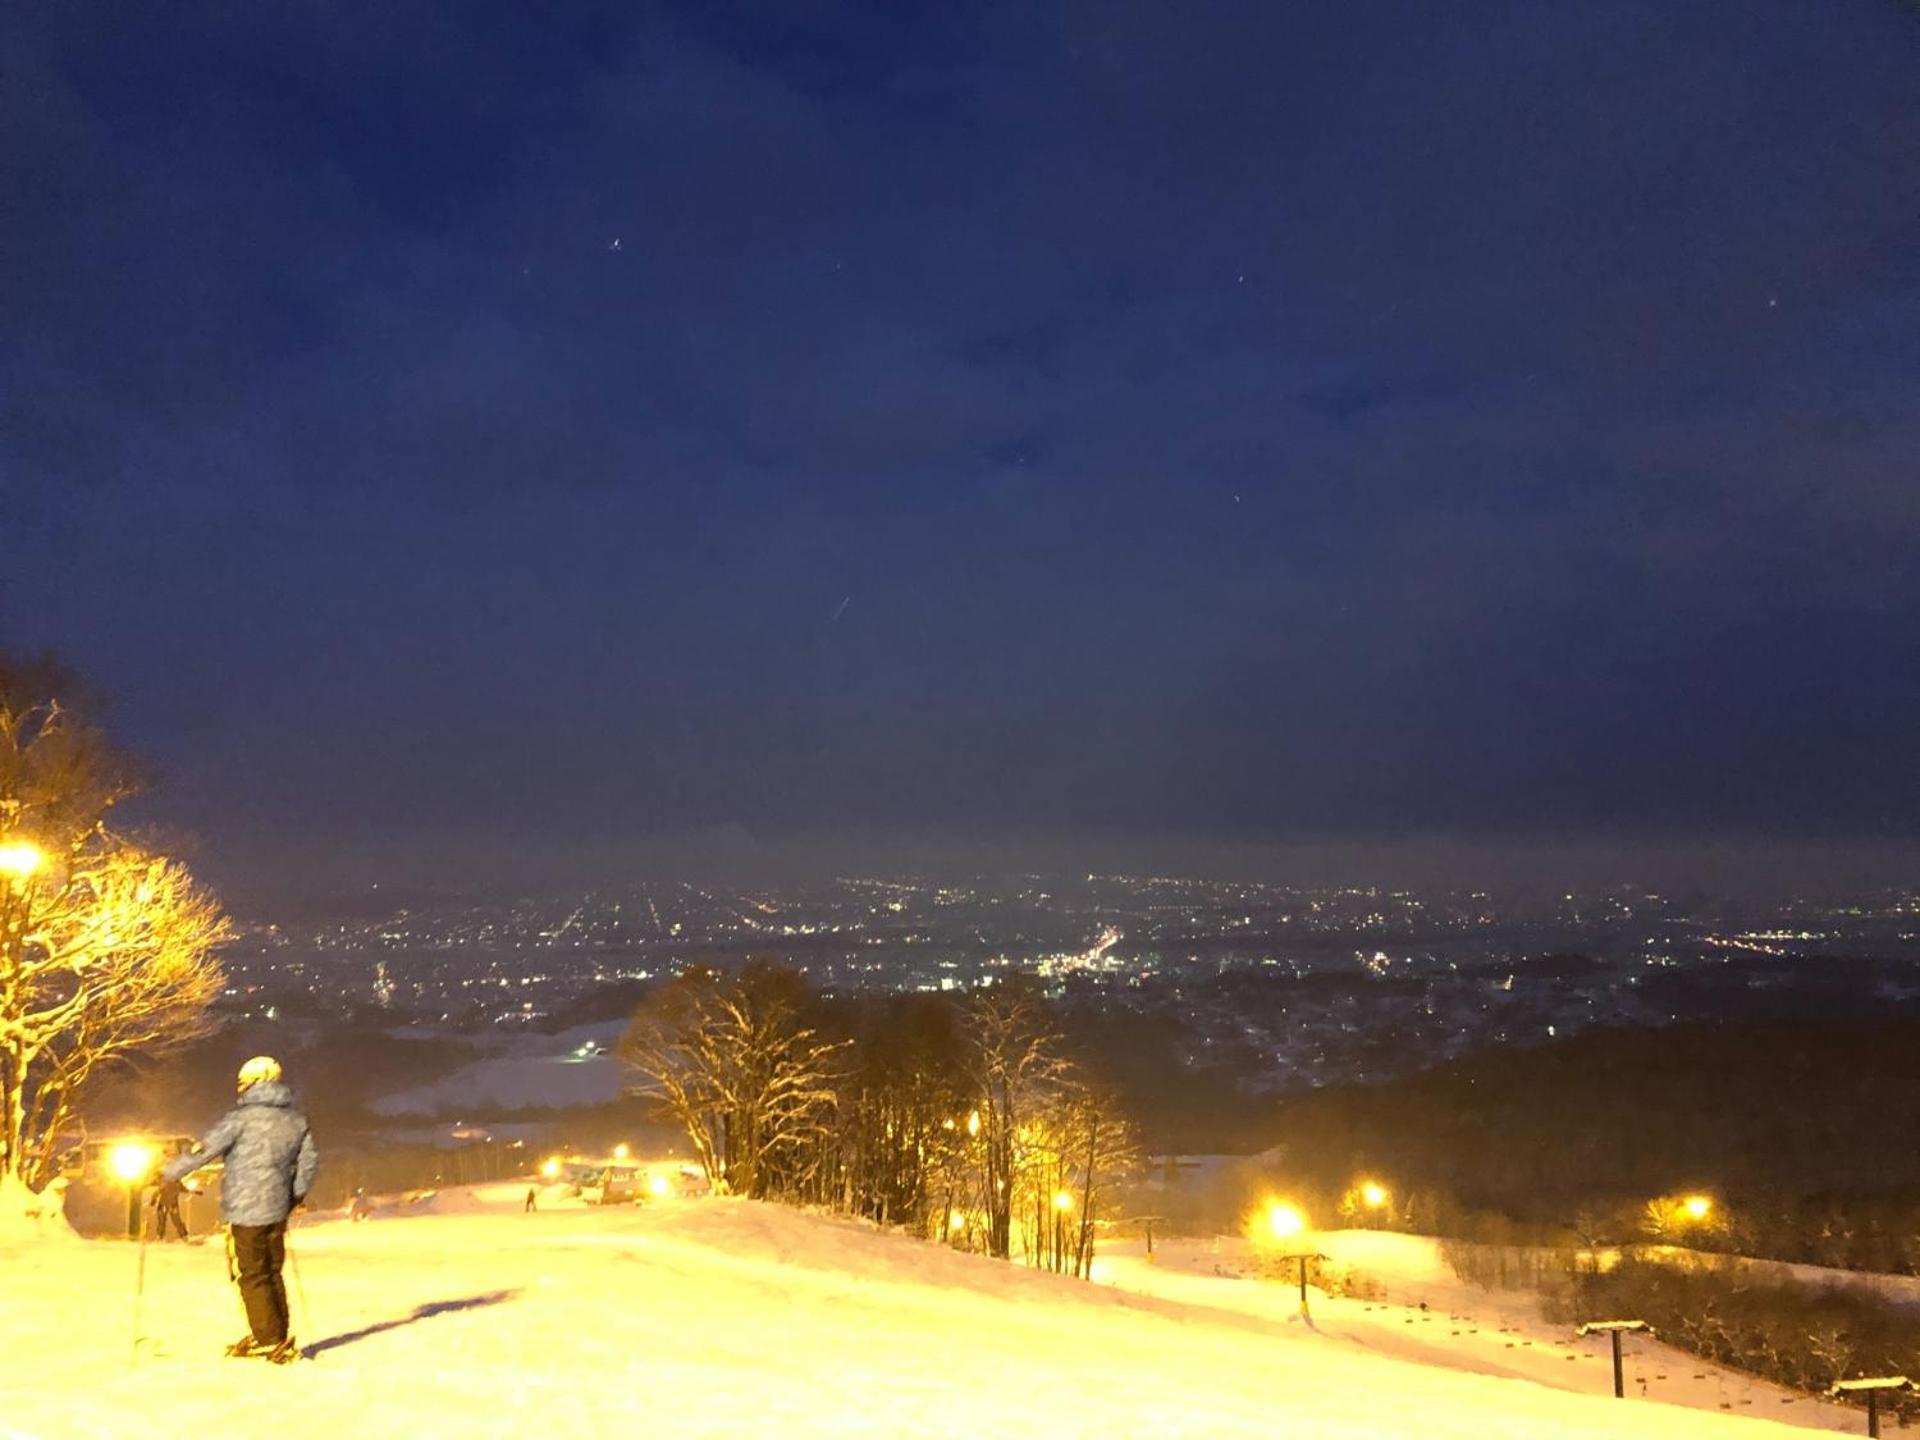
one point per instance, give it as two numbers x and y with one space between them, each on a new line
657 1187
1284 1221
1697 1207
1374 1195
131 1161
20 858
1062 1200
622 1151
551 1170
956 1221
973 1123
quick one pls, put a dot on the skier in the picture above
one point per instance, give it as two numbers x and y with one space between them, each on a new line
166 1209
270 1160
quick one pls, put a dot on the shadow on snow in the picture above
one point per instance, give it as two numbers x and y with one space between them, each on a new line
424 1312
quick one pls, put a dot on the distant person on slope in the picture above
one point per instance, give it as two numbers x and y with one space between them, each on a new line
166 1209
268 1149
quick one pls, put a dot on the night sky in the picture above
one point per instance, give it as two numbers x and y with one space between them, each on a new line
519 429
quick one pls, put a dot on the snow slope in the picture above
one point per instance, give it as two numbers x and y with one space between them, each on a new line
724 1317
529 1071
1425 1313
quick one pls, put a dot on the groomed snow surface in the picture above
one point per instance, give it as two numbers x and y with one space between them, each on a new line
460 1316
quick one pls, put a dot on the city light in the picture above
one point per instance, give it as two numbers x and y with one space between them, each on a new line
973 1123
956 1221
1697 1207
658 1187
622 1150
1284 1221
1062 1200
1373 1194
551 1169
131 1161
20 859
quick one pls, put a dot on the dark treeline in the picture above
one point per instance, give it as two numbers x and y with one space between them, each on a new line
963 1119
1806 1138
1807 1337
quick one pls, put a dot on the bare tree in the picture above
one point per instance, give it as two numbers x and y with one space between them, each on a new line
901 1151
674 1045
1105 1147
106 948
1017 1069
731 1063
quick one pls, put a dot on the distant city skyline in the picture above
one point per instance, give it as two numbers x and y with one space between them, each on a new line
266 877
1302 985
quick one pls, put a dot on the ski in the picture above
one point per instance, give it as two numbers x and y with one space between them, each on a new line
285 1353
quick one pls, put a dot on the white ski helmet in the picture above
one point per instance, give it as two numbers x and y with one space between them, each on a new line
261 1067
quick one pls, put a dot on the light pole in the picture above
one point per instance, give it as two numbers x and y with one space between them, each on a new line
132 1162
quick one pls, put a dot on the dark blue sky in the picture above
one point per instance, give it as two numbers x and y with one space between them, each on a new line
1234 421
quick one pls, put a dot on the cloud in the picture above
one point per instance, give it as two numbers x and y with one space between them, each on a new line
1249 417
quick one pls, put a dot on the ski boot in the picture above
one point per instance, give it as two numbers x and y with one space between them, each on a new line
285 1353
244 1348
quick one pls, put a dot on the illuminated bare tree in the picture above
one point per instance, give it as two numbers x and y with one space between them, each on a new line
673 1042
1104 1148
730 1062
106 948
1017 1072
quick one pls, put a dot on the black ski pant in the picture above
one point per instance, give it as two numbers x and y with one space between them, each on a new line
256 1254
167 1212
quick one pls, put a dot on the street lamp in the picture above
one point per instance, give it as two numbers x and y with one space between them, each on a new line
550 1170
1284 1221
132 1162
1697 1207
622 1150
19 859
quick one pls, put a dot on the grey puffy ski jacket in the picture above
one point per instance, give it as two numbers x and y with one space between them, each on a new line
269 1153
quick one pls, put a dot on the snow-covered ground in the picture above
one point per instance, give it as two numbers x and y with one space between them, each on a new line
1427 1314
1902 1289
531 1071
725 1317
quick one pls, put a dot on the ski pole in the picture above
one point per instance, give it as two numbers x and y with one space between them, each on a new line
140 1286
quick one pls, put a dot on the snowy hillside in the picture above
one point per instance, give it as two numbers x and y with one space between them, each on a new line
728 1318
575 1067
